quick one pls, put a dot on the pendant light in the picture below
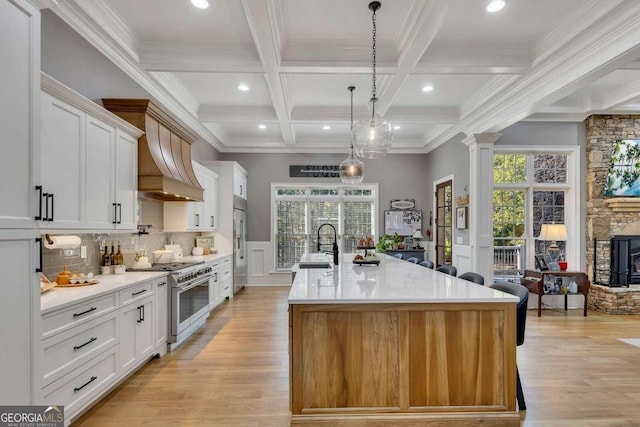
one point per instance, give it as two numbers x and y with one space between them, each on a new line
373 134
352 169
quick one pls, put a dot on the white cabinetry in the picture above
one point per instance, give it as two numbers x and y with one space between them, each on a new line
86 348
137 335
195 216
19 305
19 107
221 283
232 180
162 315
19 173
89 167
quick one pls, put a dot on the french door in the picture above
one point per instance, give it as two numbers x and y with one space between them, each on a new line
444 221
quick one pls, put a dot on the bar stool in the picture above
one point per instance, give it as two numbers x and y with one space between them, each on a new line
448 269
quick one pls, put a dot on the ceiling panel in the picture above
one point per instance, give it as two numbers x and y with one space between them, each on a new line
222 88
448 89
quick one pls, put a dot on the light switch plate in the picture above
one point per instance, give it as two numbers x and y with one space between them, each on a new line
83 251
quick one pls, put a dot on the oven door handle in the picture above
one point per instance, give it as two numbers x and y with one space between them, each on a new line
194 284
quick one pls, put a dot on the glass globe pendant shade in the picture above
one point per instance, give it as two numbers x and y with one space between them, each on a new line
351 170
372 136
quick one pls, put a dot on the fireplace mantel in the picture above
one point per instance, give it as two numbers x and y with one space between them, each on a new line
623 204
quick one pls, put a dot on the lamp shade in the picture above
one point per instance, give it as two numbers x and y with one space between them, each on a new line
351 170
418 234
553 232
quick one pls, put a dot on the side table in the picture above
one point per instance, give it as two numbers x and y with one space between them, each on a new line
534 281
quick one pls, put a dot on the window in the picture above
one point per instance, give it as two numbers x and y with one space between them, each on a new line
530 189
298 212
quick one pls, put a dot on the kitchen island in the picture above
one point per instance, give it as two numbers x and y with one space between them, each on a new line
399 344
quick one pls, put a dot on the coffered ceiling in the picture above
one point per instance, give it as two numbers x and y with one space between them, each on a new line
545 60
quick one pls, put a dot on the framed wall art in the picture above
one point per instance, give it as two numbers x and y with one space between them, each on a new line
461 218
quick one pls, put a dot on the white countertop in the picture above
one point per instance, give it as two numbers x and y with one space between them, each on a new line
60 297
205 258
393 281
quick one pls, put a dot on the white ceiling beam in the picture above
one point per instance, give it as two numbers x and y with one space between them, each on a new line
620 96
426 27
189 57
236 114
263 17
556 117
607 45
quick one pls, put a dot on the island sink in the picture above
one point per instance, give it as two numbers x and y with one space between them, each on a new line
314 265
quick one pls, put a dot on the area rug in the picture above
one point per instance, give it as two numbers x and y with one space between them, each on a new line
632 341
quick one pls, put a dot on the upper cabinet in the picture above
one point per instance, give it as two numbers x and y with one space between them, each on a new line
239 182
195 216
19 106
89 166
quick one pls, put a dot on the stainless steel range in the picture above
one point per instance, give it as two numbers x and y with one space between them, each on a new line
189 303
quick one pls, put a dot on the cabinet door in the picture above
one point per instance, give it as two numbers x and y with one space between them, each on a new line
126 181
20 325
145 331
129 316
239 184
161 320
195 210
214 216
100 143
19 106
62 131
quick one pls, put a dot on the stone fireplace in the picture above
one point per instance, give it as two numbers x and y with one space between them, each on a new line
609 217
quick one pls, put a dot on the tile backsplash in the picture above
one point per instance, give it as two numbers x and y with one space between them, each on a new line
151 213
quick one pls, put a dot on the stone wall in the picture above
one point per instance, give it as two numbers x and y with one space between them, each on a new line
604 299
602 222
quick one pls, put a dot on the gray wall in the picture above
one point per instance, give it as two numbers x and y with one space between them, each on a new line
451 158
398 175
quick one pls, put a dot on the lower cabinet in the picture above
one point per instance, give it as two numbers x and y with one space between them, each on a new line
162 315
87 348
137 339
221 284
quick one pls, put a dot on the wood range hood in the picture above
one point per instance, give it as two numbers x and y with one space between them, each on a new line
164 151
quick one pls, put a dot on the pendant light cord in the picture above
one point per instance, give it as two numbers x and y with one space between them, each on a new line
373 89
351 89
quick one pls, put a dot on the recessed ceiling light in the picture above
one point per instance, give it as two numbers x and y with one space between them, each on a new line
396 127
326 127
495 6
200 4
243 87
262 126
427 88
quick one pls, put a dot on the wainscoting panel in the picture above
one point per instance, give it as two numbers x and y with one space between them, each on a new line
462 258
260 266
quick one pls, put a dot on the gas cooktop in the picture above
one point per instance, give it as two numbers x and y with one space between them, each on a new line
172 266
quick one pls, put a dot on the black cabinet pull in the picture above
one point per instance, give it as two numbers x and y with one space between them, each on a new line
52 197
78 347
139 308
46 206
115 213
133 294
197 220
212 221
162 284
39 190
119 213
77 389
241 189
142 309
85 312
39 242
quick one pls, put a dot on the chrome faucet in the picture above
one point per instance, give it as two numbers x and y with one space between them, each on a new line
335 242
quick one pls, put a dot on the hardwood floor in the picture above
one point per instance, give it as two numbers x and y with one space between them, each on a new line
234 372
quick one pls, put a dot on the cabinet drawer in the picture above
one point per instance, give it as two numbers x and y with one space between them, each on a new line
226 261
225 288
136 293
225 273
60 320
82 385
63 352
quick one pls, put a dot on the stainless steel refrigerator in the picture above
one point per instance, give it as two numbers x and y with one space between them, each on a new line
239 243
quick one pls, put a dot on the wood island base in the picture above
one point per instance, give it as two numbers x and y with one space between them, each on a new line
403 364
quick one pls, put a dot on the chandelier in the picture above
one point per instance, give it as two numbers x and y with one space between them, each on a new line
373 134
352 169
